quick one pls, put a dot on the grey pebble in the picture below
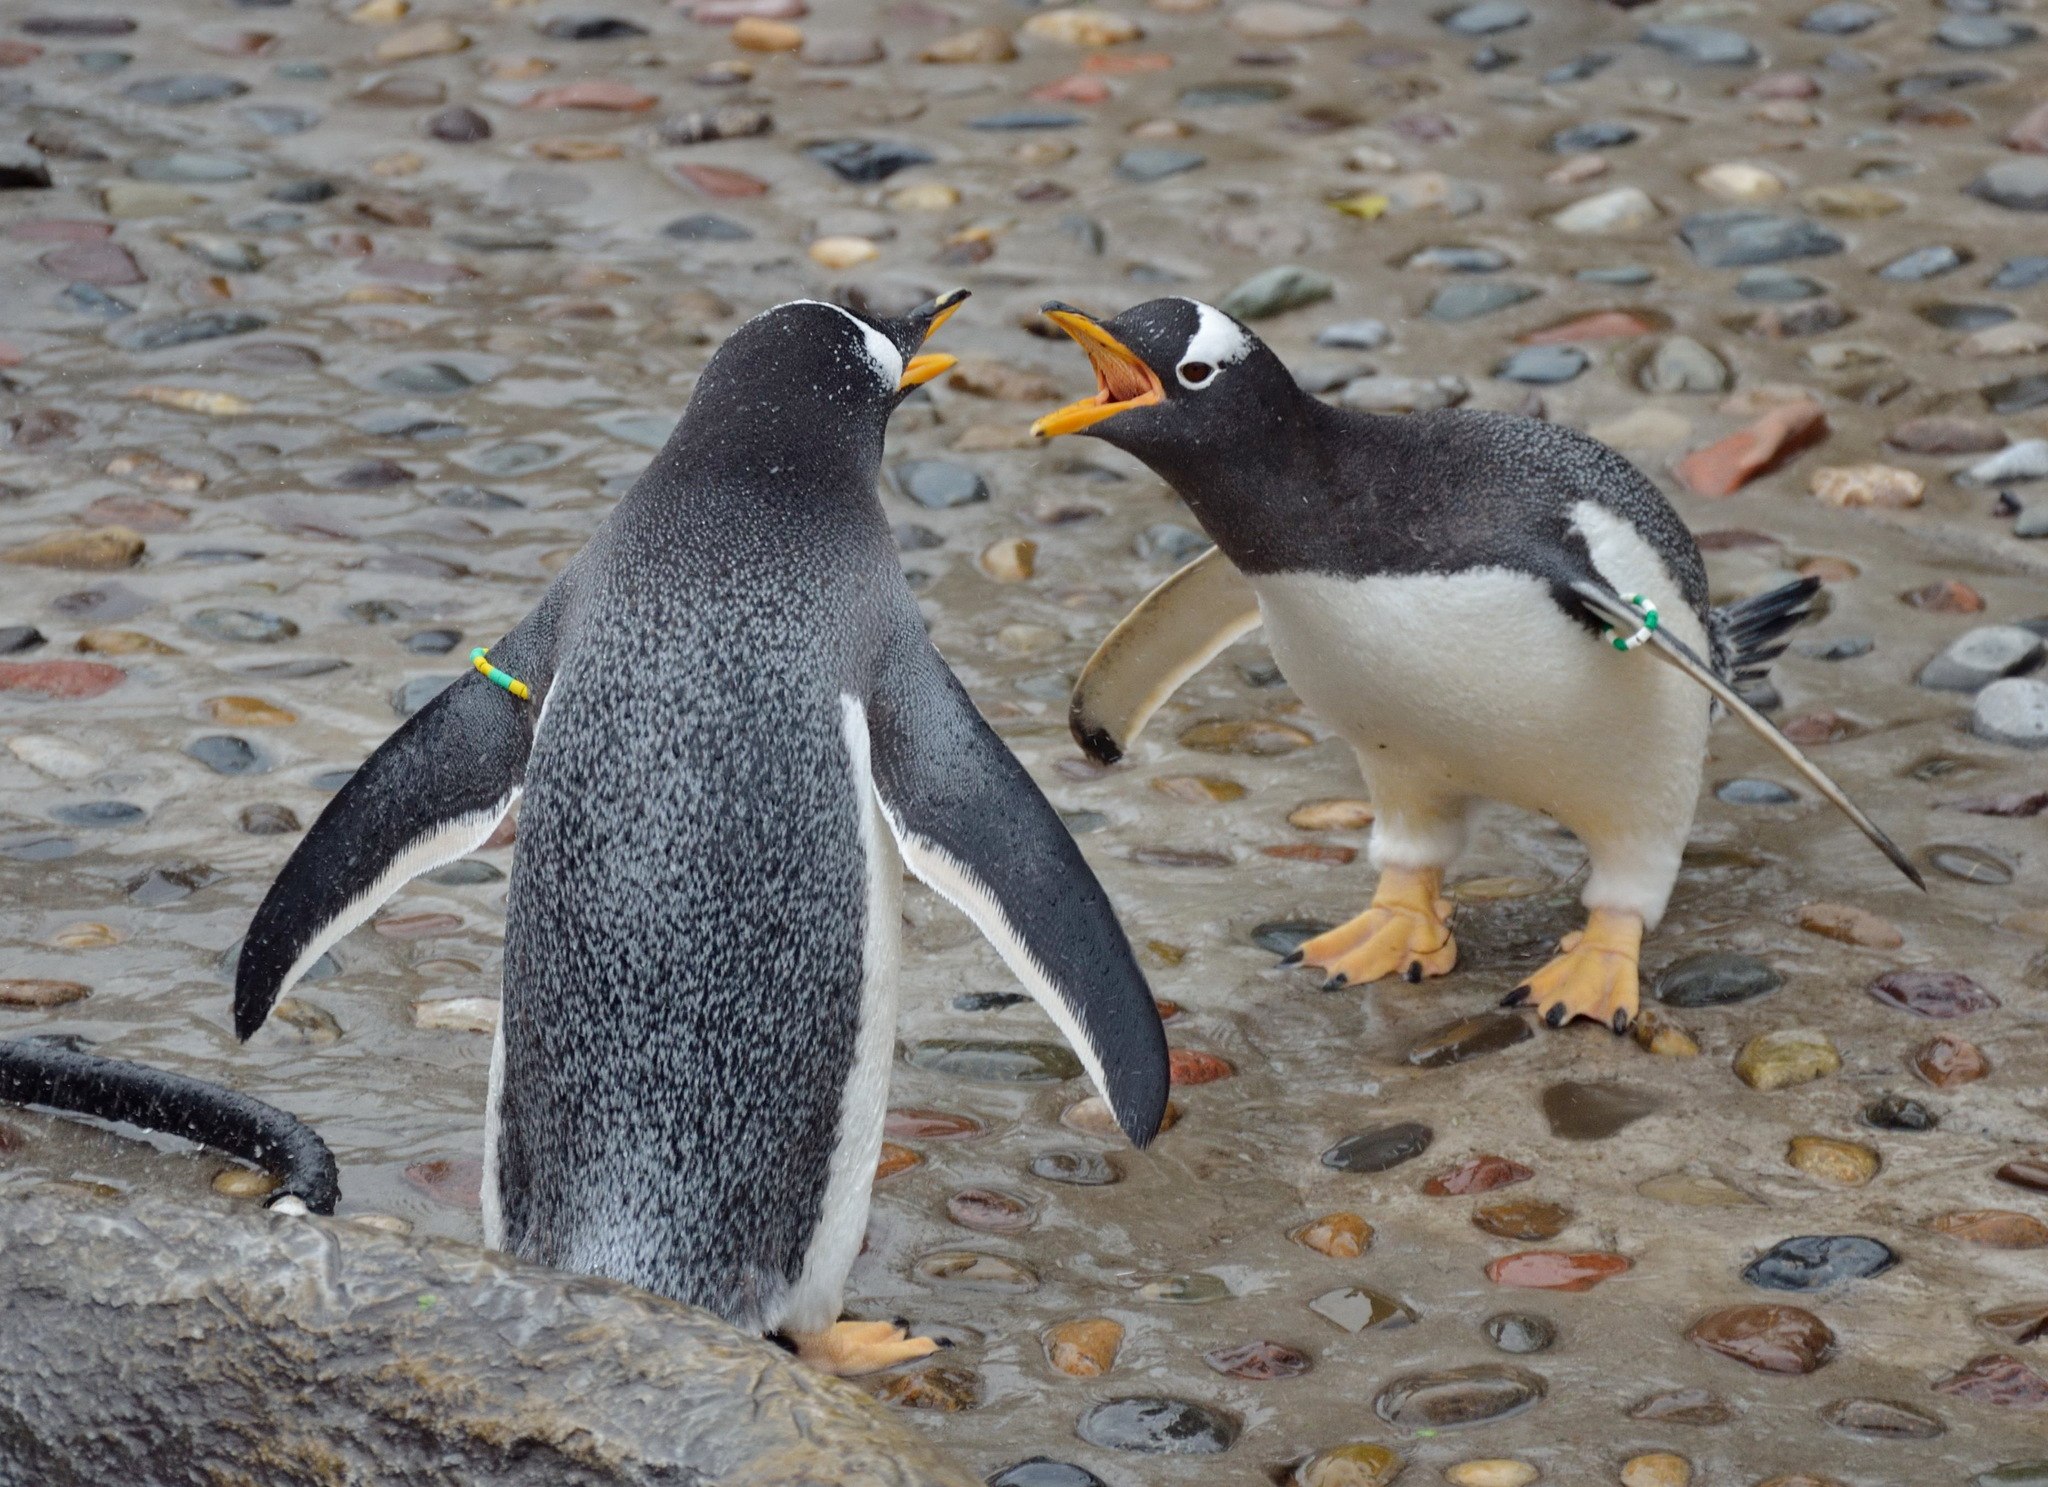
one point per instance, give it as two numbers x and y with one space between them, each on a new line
1981 656
1843 18
1472 299
938 485
1354 335
1739 239
2012 711
1543 365
1924 263
1979 33
1156 164
224 753
183 90
1487 17
2021 273
2017 185
1682 365
1704 46
1778 286
1275 291
1596 134
1452 258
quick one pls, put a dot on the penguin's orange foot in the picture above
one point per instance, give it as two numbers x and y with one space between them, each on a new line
848 1348
1406 932
1594 978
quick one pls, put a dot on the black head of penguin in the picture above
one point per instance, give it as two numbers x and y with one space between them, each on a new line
1179 384
800 371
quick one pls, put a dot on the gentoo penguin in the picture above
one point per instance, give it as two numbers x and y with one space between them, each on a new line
1460 595
726 722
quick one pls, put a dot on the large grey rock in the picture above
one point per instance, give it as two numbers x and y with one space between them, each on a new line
153 1343
1980 657
2018 185
1739 239
2013 711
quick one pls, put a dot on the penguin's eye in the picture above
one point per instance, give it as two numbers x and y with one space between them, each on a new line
1194 373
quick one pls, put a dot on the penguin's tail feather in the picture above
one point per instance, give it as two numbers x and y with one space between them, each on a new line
43 1071
1746 634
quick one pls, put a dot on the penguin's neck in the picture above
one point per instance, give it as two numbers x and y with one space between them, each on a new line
764 456
1253 493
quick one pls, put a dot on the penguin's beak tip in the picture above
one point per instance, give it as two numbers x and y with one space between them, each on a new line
922 368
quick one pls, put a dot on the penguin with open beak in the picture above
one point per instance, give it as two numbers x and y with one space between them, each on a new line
731 734
1476 602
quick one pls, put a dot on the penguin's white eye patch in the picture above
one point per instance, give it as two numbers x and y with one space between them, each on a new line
1194 374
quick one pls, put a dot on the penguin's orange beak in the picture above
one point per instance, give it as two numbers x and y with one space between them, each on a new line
1122 380
924 367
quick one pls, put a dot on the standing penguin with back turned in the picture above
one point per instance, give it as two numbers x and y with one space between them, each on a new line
726 721
1449 591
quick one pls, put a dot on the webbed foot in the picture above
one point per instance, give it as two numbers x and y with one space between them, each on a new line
848 1348
1594 978
1406 932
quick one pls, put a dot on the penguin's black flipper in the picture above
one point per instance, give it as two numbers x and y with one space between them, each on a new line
971 823
1672 651
38 1071
431 793
1175 631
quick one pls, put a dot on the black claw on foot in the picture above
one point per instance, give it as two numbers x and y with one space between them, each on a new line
1516 997
1555 1016
944 1342
1414 973
1620 1022
1336 983
1291 958
901 1324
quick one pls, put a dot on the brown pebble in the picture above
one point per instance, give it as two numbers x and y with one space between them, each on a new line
991 1211
1480 1174
895 1159
1084 1349
41 994
1341 1236
1949 596
1771 1339
2029 1172
1683 1407
2000 1379
244 1182
1850 925
1947 1061
1259 1361
1526 1220
941 1387
1331 815
1994 1228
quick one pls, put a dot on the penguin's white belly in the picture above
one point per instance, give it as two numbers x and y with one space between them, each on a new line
813 1303
1476 684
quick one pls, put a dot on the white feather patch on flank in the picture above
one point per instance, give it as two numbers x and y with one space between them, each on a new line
950 878
813 1302
881 350
493 1205
1218 340
439 847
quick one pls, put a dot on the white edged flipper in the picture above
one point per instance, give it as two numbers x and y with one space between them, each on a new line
973 825
432 792
1675 653
1175 631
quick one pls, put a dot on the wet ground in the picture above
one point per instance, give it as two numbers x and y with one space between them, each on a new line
318 363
